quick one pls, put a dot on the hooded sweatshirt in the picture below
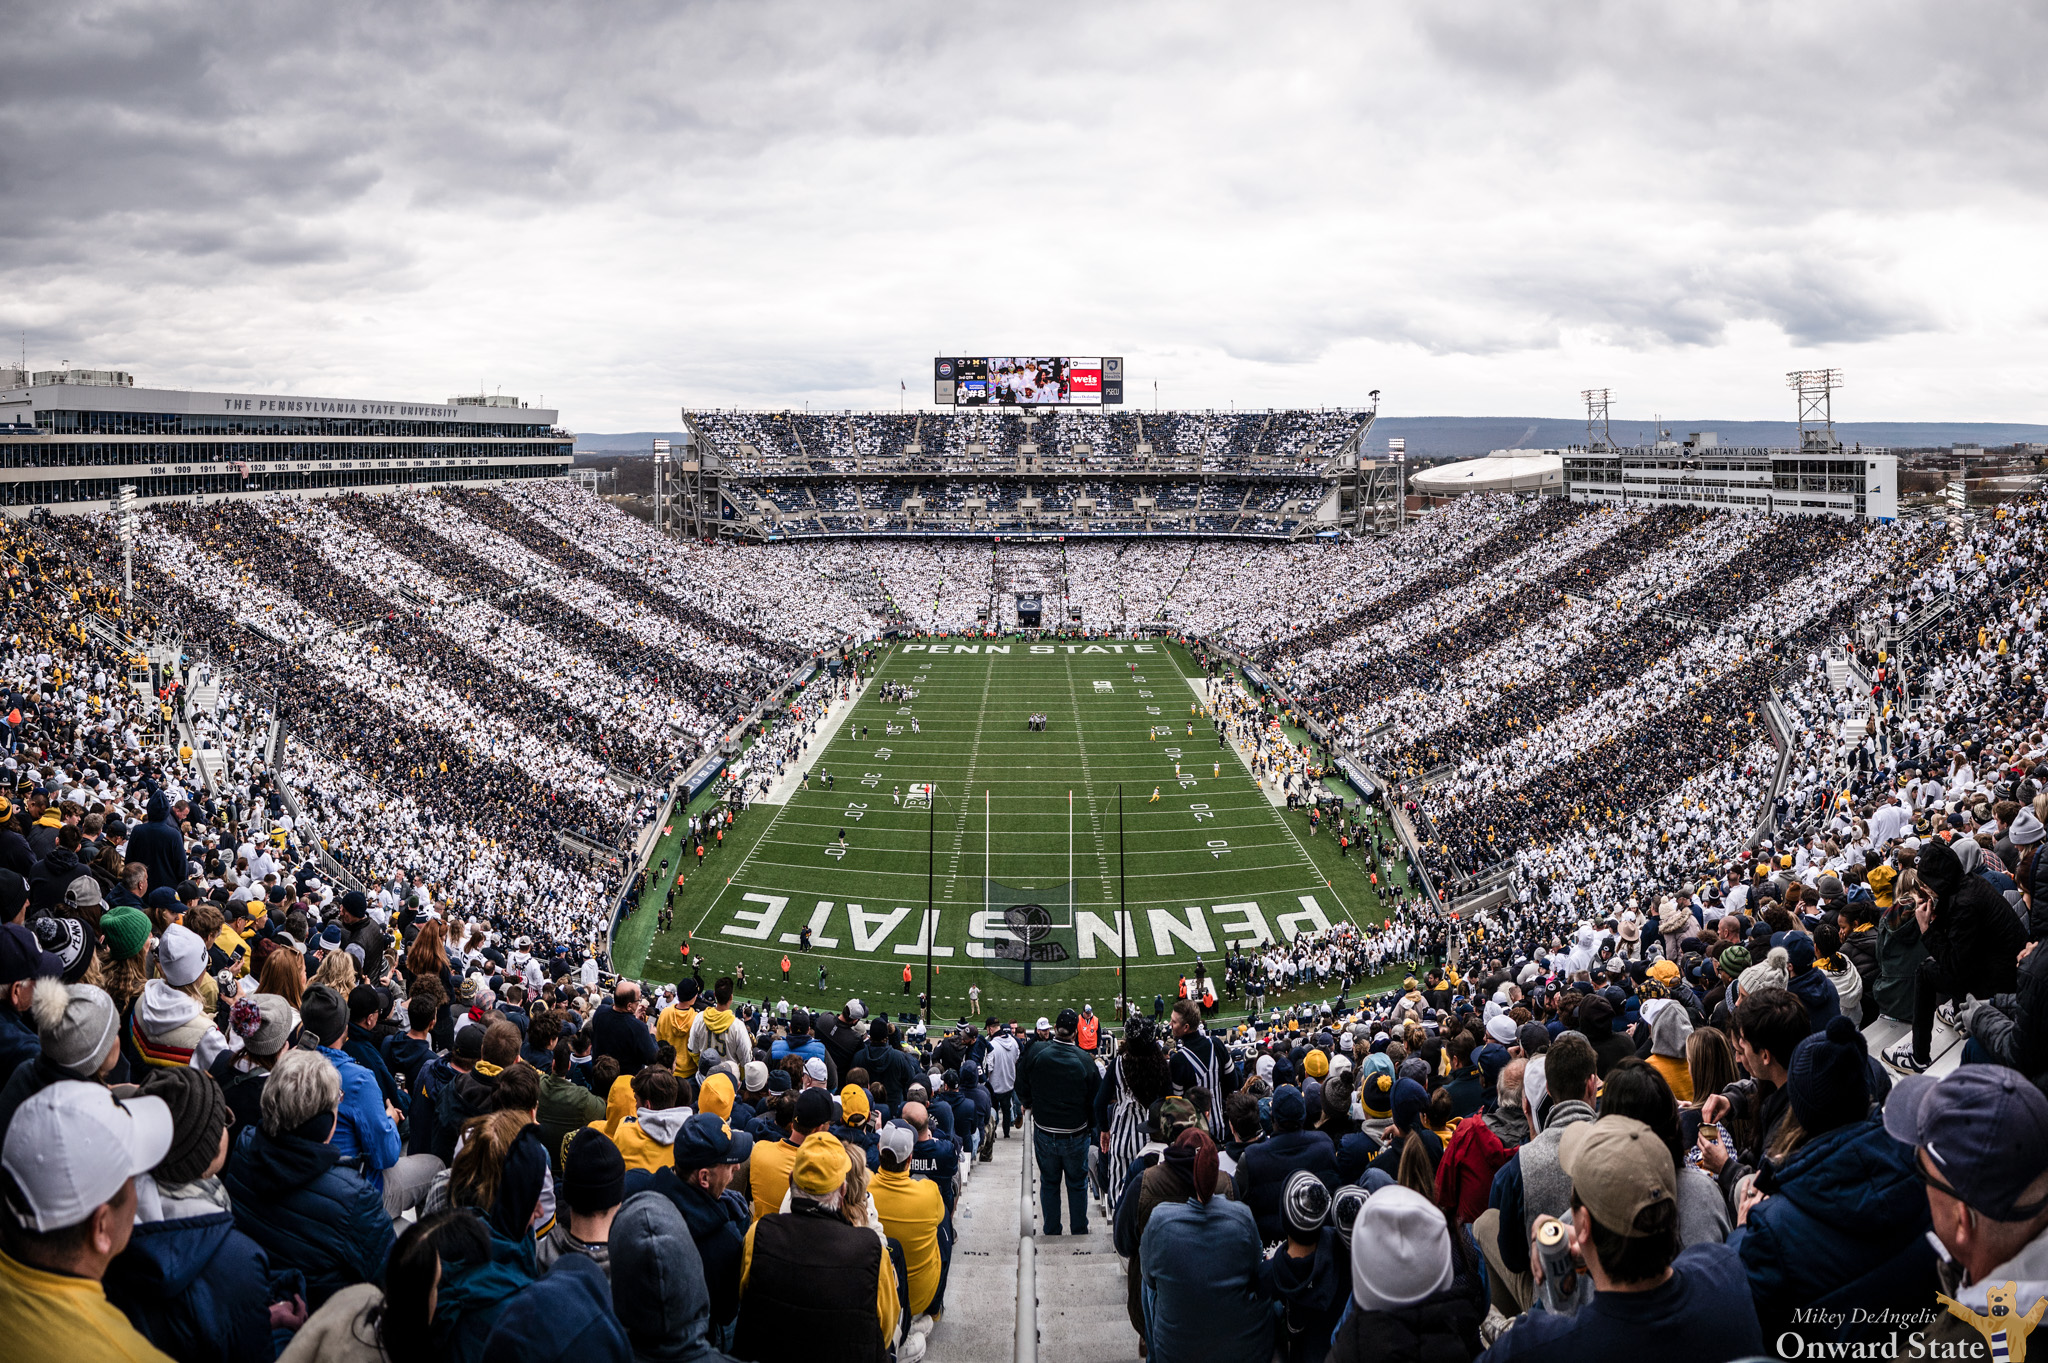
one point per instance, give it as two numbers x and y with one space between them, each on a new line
717 1034
648 1138
658 1284
1670 1029
171 1030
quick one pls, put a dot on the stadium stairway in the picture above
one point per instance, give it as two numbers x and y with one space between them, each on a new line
1080 1280
792 779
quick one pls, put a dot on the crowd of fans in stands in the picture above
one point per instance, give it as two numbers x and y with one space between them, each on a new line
248 1113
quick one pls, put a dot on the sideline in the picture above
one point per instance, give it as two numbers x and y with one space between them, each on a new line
792 778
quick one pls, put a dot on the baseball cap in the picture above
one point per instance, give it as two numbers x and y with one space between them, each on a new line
1618 1166
1068 1020
71 1147
1984 1128
708 1139
814 1069
22 957
856 1010
813 1108
1044 1024
898 1142
821 1164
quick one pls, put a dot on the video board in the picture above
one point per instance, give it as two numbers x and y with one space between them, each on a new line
1027 381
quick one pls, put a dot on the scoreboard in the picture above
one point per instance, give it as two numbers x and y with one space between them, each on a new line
1027 381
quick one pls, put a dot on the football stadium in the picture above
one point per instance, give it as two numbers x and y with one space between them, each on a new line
900 758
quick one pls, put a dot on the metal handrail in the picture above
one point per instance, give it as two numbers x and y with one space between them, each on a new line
1026 1349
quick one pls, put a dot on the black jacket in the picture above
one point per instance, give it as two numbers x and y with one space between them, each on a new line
1439 1329
624 1038
813 1279
53 875
1263 1171
1975 935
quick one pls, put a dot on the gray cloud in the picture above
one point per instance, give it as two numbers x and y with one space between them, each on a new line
632 206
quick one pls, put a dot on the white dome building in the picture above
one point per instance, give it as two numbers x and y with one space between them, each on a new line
1501 471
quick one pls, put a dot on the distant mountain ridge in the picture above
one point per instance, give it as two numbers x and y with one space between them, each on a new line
1462 437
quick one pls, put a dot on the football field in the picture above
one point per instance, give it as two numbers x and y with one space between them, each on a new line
1018 843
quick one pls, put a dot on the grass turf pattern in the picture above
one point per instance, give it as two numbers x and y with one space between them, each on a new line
1209 862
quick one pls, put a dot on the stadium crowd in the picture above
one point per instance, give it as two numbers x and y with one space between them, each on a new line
248 1111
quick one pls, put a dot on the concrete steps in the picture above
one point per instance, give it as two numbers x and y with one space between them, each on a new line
1080 1279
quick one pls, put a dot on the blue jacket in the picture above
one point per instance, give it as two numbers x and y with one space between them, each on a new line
198 1289
939 1161
1200 1282
1817 992
566 1315
718 1226
308 1211
365 1130
1263 1170
473 1295
1845 1226
19 1043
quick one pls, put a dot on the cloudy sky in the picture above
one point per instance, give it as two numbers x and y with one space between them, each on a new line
1478 209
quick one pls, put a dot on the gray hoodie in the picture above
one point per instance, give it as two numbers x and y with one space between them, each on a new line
658 1288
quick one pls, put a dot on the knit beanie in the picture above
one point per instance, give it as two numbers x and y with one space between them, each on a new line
126 929
1316 1065
593 1172
1376 1094
1411 1250
1305 1202
77 1024
1830 1078
1410 1102
199 1113
326 1013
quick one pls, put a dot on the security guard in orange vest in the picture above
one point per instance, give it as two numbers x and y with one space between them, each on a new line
1090 1028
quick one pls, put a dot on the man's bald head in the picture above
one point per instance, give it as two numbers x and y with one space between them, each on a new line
918 1116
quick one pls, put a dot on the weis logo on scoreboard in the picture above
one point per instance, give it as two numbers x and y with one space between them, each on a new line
1027 381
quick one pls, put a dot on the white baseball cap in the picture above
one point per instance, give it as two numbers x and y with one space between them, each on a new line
897 1141
1045 1024
71 1147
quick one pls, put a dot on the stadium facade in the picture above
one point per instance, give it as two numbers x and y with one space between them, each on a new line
71 438
1258 475
1822 479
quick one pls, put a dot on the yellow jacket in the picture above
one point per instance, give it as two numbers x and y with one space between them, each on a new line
69 1317
673 1026
911 1210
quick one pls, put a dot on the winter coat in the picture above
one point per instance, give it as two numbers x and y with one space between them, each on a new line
52 876
718 1227
158 844
1974 934
1844 1226
623 1037
19 1043
1200 1270
1861 949
1439 1329
474 1294
198 1288
565 1316
1813 988
1264 1169
1057 1081
1475 1153
658 1285
308 1211
1312 1292
1899 952
564 1106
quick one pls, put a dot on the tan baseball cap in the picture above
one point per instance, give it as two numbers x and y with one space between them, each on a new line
1618 1167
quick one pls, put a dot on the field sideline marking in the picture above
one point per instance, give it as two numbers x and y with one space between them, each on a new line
1279 817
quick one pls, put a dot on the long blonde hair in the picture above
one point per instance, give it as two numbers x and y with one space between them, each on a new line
338 969
284 974
480 1163
853 1203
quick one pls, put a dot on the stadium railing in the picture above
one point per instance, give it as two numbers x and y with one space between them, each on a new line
1026 1348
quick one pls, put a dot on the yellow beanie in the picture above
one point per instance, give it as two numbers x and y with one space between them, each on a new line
1316 1065
853 1103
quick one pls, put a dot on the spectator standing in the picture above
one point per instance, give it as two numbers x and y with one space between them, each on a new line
1200 1261
1057 1082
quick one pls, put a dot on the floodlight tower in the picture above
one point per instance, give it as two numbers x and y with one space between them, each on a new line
1598 400
1816 388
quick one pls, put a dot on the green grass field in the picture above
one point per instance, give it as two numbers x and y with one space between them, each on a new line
1209 862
